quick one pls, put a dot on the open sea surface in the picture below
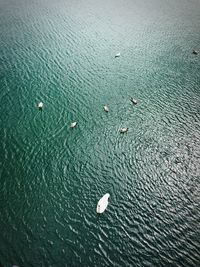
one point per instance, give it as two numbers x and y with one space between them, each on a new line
51 176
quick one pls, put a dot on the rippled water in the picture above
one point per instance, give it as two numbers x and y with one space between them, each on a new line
52 176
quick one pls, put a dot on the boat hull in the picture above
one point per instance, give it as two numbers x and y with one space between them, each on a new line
103 203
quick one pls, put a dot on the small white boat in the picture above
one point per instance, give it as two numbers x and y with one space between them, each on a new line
103 203
195 52
73 124
123 130
117 55
105 108
134 101
40 105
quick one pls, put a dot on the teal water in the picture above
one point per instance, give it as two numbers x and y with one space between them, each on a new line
62 53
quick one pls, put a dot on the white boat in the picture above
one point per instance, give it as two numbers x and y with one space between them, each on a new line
195 52
73 124
106 109
117 55
40 105
103 203
124 130
134 101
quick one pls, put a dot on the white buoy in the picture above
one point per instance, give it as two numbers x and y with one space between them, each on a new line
40 105
123 130
106 109
103 203
117 55
73 124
